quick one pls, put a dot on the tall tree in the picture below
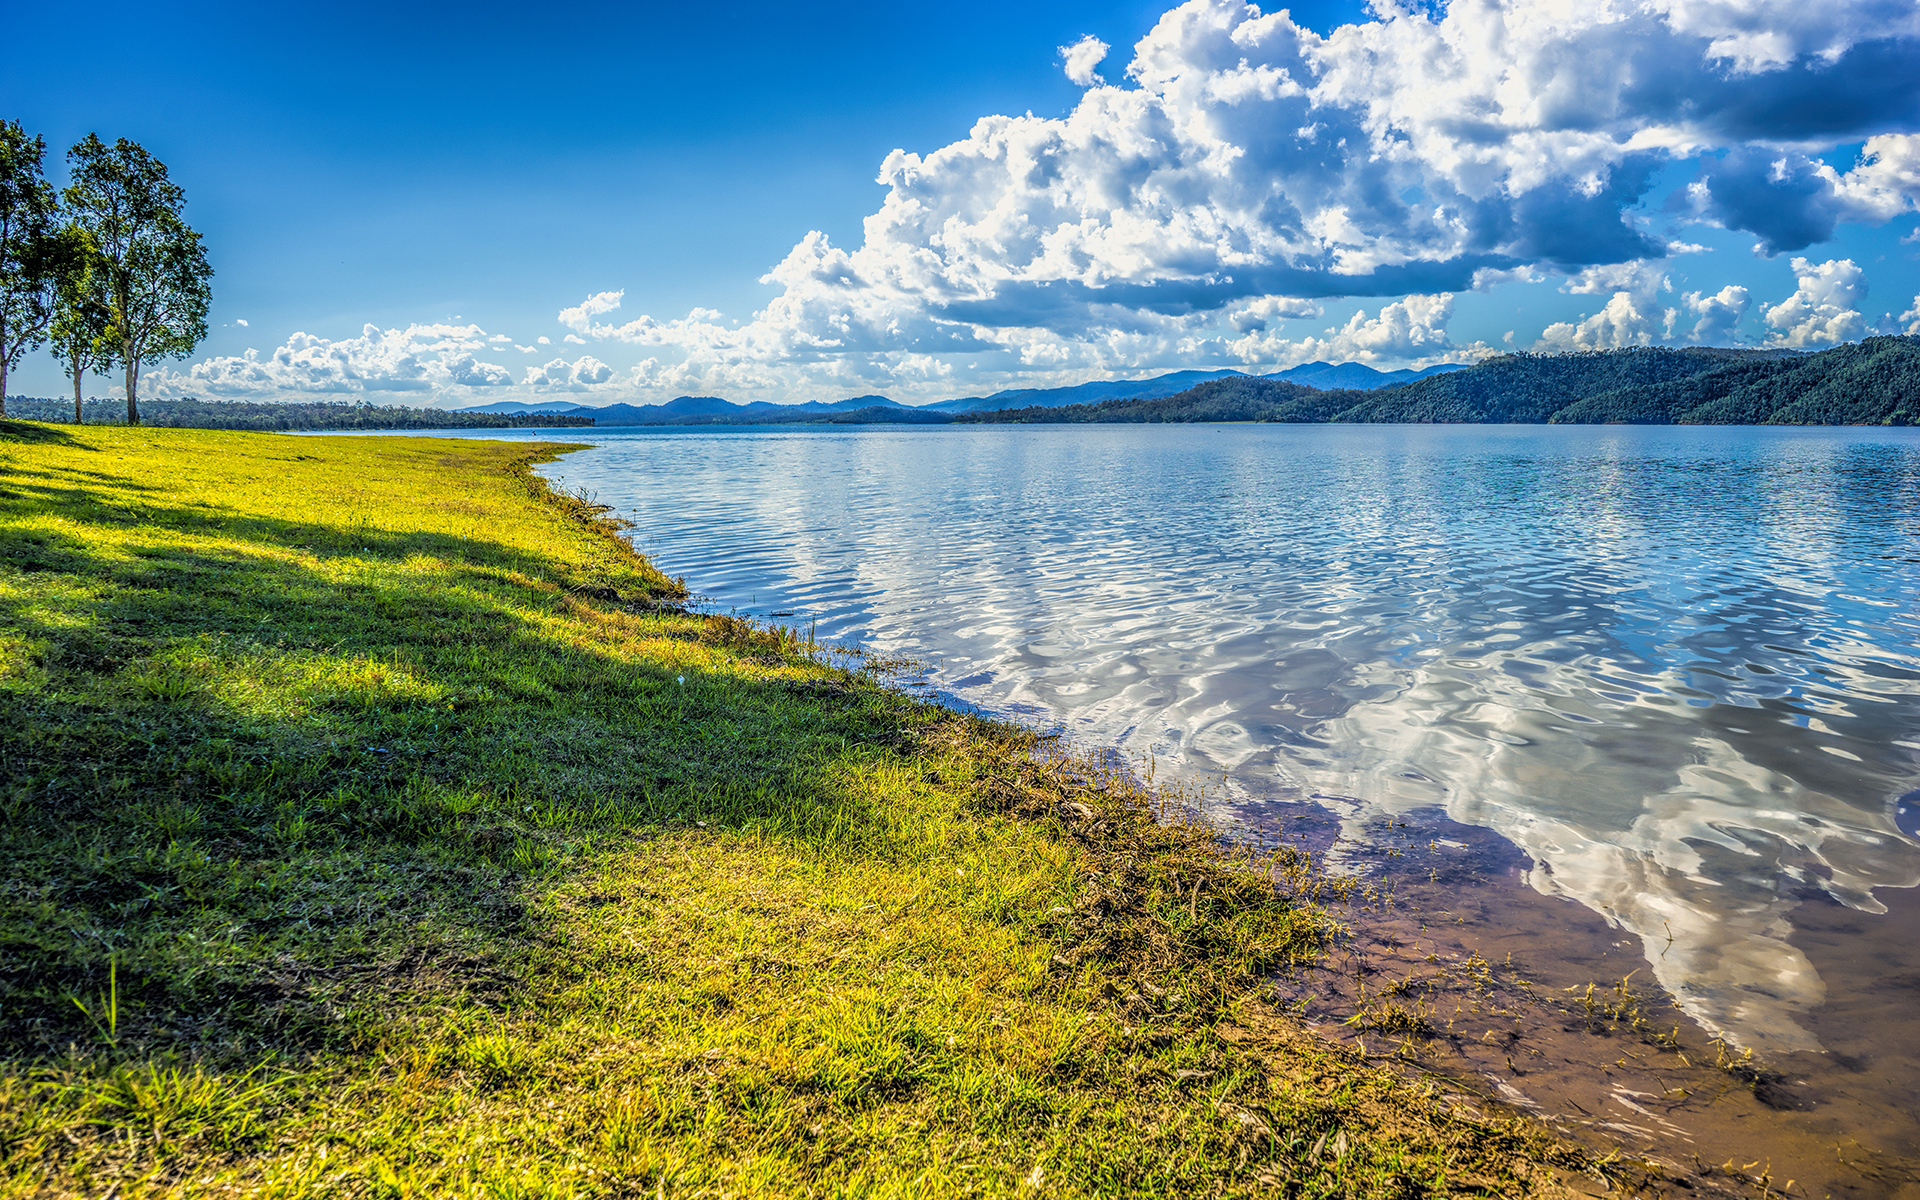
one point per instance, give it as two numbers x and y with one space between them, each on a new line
27 212
154 275
82 320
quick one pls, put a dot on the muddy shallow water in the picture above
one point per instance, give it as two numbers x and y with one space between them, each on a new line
1668 678
1454 968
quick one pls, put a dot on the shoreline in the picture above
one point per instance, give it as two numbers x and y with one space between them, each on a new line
884 940
1457 969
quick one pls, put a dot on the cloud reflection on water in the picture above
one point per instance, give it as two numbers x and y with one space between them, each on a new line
1675 666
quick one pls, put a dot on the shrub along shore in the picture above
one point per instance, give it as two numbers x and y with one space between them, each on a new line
378 823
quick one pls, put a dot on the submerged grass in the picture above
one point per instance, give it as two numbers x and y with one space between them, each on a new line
376 825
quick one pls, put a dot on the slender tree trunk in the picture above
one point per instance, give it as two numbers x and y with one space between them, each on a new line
133 375
79 372
3 370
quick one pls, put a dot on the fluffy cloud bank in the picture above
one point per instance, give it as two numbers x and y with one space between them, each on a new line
1209 202
1792 201
1411 329
1631 316
1718 315
1824 310
578 376
423 364
1249 168
419 358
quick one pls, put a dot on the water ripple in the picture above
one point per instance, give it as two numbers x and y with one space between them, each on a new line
1675 666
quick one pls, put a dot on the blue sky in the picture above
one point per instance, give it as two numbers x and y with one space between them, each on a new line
402 201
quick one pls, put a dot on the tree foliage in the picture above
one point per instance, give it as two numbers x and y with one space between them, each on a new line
27 214
80 332
1873 382
1233 398
154 277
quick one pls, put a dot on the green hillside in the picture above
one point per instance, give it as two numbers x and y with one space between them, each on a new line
1873 382
1234 398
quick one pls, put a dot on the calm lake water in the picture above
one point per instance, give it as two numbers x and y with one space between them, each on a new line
1678 668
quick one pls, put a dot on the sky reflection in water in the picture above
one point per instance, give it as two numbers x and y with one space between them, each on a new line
1676 666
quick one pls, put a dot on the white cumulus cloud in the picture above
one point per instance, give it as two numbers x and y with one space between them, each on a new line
1793 200
1267 310
418 359
1413 328
577 376
1622 323
1824 310
1241 172
1248 169
1718 315
1081 58
1641 278
1912 318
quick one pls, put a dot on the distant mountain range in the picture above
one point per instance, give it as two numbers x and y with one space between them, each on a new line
1315 375
1873 382
1082 393
712 410
1357 376
1876 381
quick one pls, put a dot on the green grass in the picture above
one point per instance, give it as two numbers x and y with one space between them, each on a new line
376 825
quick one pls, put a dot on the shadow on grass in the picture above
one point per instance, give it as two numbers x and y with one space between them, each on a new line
393 816
261 796
33 433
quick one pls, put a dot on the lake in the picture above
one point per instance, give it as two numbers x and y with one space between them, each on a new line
1677 668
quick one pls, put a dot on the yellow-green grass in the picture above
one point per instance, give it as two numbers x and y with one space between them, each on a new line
376 824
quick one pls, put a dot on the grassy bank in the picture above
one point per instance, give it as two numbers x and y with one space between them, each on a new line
375 825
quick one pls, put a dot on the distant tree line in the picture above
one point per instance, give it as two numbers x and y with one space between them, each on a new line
106 271
872 415
1872 382
191 413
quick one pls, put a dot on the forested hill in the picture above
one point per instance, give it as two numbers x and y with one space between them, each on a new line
1234 398
1874 382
